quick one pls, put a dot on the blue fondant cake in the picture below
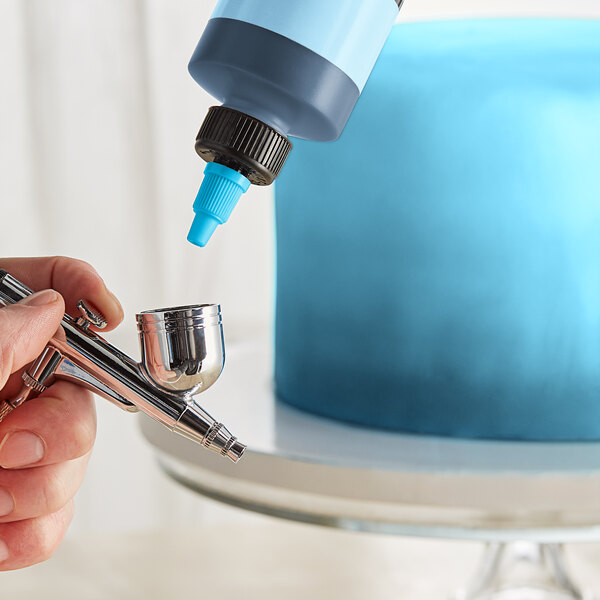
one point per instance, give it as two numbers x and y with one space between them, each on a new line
438 267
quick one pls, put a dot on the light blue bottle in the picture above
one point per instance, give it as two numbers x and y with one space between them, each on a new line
439 270
280 68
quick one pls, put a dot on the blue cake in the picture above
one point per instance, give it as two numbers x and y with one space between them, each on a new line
438 267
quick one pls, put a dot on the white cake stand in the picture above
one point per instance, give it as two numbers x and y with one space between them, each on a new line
523 499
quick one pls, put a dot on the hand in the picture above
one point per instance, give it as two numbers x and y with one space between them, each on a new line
46 443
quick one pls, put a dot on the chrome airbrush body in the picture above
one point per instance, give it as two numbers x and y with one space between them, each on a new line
182 355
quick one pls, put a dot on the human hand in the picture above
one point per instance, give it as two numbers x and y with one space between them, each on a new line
46 443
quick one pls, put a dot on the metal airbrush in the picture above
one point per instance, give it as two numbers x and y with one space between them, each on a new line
182 354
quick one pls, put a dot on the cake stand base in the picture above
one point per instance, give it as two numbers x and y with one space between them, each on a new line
522 571
306 468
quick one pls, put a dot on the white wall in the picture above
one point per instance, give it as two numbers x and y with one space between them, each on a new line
98 118
445 9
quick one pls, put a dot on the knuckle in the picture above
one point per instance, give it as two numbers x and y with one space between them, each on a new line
84 272
56 493
3 367
35 540
42 537
47 539
60 260
84 436
66 417
81 414
87 427
80 264
66 262
52 530
65 265
7 341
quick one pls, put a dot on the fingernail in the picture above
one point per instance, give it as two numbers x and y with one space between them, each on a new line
21 449
42 298
7 504
3 551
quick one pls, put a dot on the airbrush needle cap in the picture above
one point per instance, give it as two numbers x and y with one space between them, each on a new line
220 191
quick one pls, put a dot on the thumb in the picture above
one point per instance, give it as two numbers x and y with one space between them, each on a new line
26 328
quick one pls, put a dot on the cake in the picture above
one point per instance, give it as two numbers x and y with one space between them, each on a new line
438 266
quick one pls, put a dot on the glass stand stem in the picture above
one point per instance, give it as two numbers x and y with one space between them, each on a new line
522 571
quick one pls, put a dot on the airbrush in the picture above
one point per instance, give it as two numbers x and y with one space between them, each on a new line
182 355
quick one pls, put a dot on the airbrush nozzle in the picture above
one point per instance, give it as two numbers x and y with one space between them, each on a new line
215 436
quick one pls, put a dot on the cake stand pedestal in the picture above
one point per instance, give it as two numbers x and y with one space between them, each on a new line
522 571
523 499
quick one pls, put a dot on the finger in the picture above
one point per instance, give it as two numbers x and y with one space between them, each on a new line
59 425
29 493
25 543
13 386
26 328
74 279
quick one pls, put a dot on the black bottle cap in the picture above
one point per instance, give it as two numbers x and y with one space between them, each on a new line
243 143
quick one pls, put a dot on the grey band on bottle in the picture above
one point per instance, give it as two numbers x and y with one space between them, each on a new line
274 79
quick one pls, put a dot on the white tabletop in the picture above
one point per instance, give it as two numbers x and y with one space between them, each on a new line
308 468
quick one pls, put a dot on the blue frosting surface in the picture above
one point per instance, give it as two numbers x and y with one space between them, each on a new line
438 267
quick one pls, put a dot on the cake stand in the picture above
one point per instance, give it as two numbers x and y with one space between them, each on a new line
523 499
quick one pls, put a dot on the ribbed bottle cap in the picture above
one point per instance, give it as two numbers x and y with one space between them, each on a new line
245 144
220 191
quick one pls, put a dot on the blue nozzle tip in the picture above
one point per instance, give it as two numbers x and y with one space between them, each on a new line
220 191
203 227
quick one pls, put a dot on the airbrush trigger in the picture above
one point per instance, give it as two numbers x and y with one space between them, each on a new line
90 317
